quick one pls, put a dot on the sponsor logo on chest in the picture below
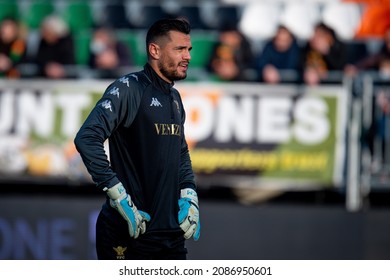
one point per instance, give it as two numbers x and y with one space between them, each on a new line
167 129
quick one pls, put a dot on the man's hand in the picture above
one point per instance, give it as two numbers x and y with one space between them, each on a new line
121 201
189 213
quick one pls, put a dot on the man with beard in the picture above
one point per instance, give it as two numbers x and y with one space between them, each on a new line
152 203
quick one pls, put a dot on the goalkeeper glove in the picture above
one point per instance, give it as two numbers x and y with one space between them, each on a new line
121 201
189 213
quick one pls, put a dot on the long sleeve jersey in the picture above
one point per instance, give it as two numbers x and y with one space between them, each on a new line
143 118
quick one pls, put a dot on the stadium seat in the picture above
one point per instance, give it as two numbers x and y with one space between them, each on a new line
135 43
344 18
228 14
9 9
115 16
37 11
149 14
78 14
301 17
193 14
202 45
82 40
259 20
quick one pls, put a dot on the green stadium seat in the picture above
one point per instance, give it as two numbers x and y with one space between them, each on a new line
135 43
78 15
37 11
9 9
202 45
82 40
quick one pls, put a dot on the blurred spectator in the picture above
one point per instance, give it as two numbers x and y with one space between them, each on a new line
107 54
279 59
12 48
323 53
383 103
231 56
55 50
379 61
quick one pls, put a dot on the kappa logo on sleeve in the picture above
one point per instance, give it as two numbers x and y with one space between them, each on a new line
134 76
106 104
114 91
124 80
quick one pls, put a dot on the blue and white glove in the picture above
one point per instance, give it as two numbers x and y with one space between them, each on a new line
121 201
189 213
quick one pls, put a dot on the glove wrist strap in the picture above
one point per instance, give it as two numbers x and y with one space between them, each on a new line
117 192
190 194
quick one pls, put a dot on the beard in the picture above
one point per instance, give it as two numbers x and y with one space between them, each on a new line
169 70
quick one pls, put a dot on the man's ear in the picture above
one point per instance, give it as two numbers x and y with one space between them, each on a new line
154 51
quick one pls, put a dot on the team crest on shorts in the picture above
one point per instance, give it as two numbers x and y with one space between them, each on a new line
120 252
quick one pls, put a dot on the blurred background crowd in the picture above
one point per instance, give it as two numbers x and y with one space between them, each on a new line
312 42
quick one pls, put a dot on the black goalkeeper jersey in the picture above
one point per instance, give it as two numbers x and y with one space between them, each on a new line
143 118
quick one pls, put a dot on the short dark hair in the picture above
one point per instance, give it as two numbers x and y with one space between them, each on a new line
327 29
162 27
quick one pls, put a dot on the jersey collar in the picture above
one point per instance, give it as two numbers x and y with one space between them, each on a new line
156 80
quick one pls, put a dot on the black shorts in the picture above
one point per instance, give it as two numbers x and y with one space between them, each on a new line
114 242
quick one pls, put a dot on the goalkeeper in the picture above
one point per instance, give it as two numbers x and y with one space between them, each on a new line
152 204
